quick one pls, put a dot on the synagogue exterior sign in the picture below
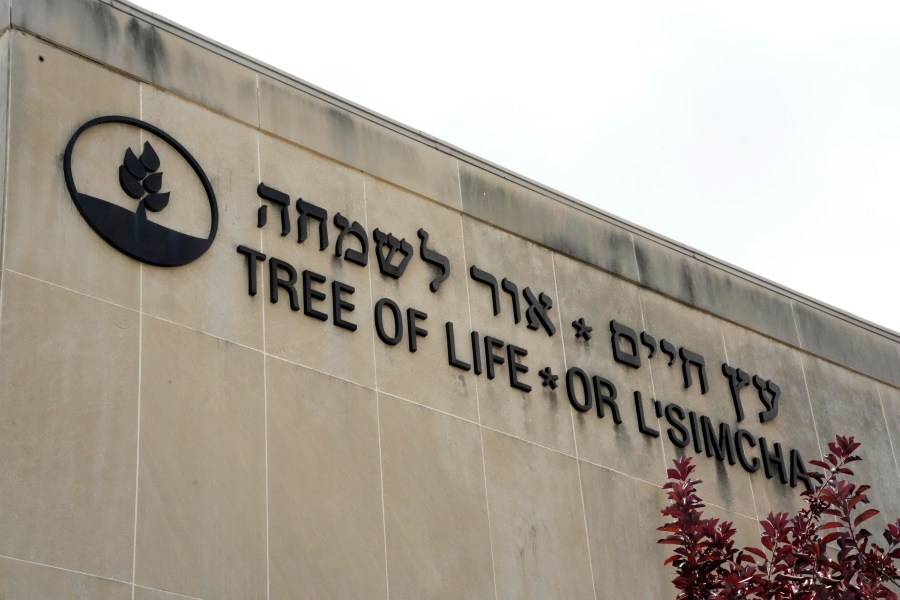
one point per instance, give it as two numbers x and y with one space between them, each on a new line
487 355
259 342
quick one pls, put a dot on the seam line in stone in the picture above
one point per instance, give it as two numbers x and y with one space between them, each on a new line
137 458
629 476
796 325
265 368
387 585
662 445
732 512
487 502
562 343
749 478
73 571
258 114
637 266
3 194
2 277
887 428
812 413
759 529
74 291
459 187
147 587
140 376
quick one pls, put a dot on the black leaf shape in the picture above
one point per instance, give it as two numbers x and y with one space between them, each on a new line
153 182
149 157
133 165
156 202
131 185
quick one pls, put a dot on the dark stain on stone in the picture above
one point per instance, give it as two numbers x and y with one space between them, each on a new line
723 484
493 202
344 133
687 276
617 257
475 193
149 46
342 121
105 27
572 244
643 263
466 183
248 88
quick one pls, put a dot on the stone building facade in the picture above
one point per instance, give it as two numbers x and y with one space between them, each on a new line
259 342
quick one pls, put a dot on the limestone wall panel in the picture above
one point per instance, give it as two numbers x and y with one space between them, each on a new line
261 423
68 428
53 93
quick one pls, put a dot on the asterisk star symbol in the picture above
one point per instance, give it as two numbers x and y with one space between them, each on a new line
582 329
549 378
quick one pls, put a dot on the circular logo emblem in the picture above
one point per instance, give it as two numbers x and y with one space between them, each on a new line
141 187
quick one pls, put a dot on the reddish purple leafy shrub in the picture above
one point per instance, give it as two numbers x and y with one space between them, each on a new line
795 561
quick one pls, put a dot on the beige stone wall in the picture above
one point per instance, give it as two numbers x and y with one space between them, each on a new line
4 100
164 434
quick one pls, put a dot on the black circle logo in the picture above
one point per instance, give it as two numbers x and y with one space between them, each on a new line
141 179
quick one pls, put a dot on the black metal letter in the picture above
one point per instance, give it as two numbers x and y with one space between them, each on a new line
737 379
771 403
798 471
276 282
619 331
434 258
773 461
412 316
513 290
386 247
669 349
740 435
571 375
309 211
649 341
695 431
359 257
723 447
537 311
688 358
490 359
515 367
310 294
608 398
642 424
390 340
282 200
252 258
451 349
675 415
490 281
339 305
476 353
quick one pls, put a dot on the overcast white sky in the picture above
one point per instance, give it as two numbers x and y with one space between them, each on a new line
766 134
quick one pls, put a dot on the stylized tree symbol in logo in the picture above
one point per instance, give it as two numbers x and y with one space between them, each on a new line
142 180
131 232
